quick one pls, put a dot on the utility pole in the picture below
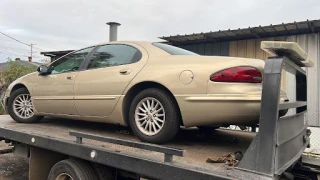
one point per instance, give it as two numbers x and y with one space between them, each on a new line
30 59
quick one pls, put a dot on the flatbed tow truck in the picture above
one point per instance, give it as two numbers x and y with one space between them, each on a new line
112 152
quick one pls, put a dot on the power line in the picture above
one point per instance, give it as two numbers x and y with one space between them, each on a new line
20 51
30 45
13 48
47 47
8 41
13 54
14 39
3 39
8 50
15 51
39 49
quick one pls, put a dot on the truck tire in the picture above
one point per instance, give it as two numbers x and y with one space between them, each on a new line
20 107
72 169
154 116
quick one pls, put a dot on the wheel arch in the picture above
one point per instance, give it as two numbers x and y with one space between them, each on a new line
14 88
18 86
134 90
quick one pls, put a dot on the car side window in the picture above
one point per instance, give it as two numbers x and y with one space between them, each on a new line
69 62
114 55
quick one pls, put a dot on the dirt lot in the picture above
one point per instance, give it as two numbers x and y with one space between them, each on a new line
12 167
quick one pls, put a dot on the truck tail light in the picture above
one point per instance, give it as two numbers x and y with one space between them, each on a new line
241 74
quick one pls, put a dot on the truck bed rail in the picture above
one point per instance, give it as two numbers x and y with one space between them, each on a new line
168 152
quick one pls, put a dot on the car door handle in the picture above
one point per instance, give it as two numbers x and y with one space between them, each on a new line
70 77
125 71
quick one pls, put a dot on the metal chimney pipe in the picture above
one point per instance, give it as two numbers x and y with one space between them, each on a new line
113 32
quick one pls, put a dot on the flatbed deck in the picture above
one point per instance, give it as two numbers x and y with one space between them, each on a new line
272 153
199 146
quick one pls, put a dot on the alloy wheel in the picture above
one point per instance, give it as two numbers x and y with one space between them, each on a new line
22 106
149 116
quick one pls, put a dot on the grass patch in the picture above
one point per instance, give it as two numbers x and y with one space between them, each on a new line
1 110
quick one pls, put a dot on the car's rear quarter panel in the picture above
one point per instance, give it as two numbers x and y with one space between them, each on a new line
203 102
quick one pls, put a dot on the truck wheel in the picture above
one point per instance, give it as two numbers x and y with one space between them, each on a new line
72 169
153 116
20 107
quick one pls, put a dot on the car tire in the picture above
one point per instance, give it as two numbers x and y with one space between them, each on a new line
72 169
161 107
23 112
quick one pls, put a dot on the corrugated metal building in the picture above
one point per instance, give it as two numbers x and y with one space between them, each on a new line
54 55
246 43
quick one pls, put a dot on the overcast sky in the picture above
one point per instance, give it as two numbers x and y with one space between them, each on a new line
72 24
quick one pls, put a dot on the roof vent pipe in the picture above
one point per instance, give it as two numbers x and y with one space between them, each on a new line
113 32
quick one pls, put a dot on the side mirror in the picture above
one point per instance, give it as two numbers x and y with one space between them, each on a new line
42 69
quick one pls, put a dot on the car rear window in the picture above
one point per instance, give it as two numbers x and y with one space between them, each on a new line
174 50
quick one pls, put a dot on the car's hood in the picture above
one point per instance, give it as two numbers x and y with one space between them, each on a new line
25 80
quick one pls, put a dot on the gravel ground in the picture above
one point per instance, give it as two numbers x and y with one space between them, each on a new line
12 167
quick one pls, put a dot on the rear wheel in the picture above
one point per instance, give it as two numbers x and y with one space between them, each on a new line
153 116
72 169
20 107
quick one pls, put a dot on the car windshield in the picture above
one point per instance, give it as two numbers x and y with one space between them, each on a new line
174 50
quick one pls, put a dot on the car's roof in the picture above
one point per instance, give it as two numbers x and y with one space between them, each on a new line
147 45
142 43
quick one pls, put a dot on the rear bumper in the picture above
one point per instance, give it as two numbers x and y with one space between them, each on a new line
204 110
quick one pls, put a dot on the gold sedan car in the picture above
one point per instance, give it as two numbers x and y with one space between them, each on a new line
153 88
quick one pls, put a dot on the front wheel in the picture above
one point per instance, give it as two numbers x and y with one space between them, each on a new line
20 107
154 117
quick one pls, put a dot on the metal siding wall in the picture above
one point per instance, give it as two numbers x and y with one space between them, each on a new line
233 49
259 54
209 49
242 48
247 49
224 49
216 49
311 45
201 49
251 49
193 48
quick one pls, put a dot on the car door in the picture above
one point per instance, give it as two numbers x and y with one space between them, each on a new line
53 92
108 73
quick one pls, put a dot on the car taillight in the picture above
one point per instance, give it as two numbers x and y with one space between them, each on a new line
238 74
